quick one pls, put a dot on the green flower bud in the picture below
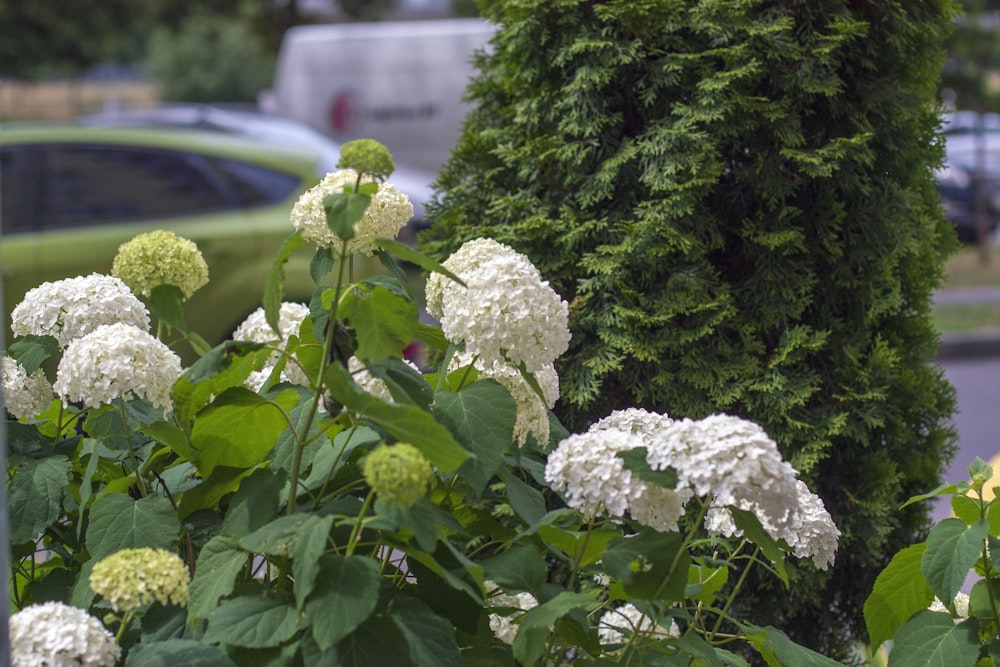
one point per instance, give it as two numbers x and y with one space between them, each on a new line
367 156
398 474
133 578
160 258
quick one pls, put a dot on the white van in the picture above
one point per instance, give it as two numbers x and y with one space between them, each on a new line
399 82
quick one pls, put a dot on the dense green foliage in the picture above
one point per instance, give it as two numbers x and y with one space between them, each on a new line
737 199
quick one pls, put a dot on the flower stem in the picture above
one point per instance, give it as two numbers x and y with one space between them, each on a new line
143 490
356 531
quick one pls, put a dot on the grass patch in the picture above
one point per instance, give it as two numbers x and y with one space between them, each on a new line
966 269
967 318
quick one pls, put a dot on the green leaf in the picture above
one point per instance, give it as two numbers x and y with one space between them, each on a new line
533 630
255 502
173 437
310 543
581 546
932 639
239 428
431 335
422 519
943 489
520 568
780 651
406 423
253 620
277 537
163 622
641 563
216 570
526 501
322 263
754 531
430 638
635 460
119 522
343 211
900 591
412 256
207 495
378 641
226 365
274 287
966 509
405 384
31 351
344 597
384 322
176 652
166 303
952 550
704 582
35 497
482 417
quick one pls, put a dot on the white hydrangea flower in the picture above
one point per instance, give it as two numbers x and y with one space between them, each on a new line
532 411
961 606
24 396
255 329
388 212
506 312
370 383
637 421
617 625
586 469
117 361
732 461
71 308
53 634
503 626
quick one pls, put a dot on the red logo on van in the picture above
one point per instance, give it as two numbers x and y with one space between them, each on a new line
342 111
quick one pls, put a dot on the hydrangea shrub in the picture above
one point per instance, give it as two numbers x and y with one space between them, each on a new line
737 201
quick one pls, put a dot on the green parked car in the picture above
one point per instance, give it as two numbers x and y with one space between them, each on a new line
70 195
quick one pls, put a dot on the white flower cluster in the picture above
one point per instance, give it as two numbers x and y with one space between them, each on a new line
506 313
255 329
53 634
503 626
532 410
587 468
961 606
617 625
388 212
71 308
24 396
727 460
117 361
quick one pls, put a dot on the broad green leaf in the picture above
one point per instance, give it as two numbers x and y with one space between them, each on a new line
980 602
422 519
405 384
378 641
406 423
584 547
696 647
899 592
275 285
481 416
26 440
642 564
383 322
171 436
943 489
966 509
431 335
321 264
35 497
161 623
533 630
932 639
31 351
780 651
635 460
224 366
119 522
207 495
344 597
704 582
754 531
275 656
526 501
412 256
343 211
993 516
253 620
952 550
219 564
520 568
178 652
255 502
395 270
277 537
430 638
283 453
310 543
238 429
166 303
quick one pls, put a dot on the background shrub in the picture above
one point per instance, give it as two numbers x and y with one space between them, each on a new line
737 199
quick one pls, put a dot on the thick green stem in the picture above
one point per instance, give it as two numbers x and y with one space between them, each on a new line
356 531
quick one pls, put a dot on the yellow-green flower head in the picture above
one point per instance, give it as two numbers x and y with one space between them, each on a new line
160 258
133 578
367 156
398 474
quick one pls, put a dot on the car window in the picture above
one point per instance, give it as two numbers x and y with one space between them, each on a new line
17 191
253 184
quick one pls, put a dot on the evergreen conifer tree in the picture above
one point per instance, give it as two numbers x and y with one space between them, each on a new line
737 199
